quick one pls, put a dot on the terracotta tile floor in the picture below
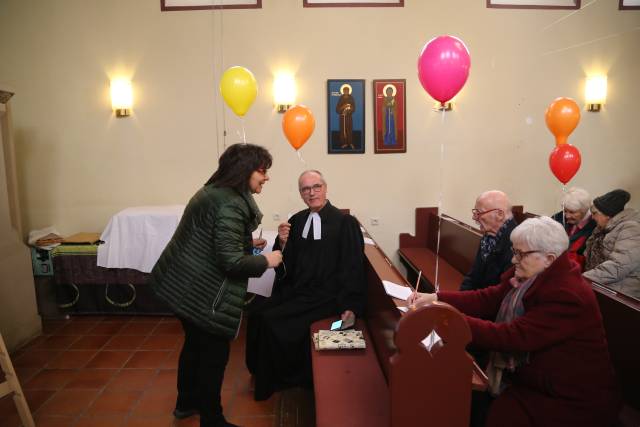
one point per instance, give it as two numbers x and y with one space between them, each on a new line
119 371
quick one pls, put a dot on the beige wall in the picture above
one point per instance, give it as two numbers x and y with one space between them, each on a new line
79 165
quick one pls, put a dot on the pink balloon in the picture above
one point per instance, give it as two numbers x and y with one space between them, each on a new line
443 67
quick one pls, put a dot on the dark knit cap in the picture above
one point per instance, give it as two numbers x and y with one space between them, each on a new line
612 203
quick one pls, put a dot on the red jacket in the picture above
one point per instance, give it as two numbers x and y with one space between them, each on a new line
569 378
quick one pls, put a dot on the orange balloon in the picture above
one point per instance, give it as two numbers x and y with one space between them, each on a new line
562 117
298 124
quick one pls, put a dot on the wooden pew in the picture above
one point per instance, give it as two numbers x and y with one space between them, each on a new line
620 313
380 386
621 319
458 246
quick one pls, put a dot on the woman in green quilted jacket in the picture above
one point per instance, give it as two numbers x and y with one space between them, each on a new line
203 273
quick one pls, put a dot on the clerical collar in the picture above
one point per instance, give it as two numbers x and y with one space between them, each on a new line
317 226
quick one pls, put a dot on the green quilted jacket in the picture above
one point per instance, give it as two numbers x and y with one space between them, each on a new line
203 272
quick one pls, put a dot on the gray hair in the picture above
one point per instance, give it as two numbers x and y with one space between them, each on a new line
542 234
577 199
317 172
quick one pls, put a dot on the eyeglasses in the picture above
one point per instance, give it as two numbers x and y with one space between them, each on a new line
518 255
476 213
308 190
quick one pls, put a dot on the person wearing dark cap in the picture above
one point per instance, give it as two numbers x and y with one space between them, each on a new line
613 250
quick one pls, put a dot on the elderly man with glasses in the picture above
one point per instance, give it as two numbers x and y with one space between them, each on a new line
322 275
492 212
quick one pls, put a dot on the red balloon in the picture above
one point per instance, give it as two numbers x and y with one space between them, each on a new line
564 162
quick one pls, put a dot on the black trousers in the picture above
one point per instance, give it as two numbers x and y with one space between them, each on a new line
203 359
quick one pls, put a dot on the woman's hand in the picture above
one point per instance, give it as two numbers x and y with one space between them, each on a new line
274 258
283 233
418 299
259 243
347 316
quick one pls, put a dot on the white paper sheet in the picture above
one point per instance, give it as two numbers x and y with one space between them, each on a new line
262 285
396 291
403 309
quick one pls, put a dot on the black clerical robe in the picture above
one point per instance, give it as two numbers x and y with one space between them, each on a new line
318 279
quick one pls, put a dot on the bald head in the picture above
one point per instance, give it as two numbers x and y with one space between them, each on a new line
492 210
496 199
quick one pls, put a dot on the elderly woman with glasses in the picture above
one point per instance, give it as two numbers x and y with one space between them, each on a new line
577 221
549 363
613 250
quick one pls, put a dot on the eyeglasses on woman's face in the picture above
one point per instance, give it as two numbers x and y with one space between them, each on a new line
313 188
519 255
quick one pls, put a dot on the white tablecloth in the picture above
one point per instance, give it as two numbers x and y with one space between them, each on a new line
135 238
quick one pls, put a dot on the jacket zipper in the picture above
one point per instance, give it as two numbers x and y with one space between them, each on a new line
218 298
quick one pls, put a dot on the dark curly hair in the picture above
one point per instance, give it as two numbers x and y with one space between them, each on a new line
236 165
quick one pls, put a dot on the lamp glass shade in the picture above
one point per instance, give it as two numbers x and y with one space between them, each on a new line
284 90
596 90
121 94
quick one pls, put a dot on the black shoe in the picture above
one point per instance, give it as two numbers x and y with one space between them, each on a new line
218 423
184 413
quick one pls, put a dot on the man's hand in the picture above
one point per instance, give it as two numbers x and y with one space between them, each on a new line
283 233
273 258
259 243
348 316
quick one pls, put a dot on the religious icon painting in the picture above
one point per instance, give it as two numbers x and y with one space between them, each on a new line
345 105
389 116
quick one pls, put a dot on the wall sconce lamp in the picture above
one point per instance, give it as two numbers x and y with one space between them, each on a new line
121 97
284 92
447 106
595 92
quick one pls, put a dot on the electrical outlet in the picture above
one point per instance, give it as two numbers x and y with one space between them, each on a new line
276 216
375 221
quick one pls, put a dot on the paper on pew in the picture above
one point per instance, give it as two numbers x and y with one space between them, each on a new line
369 241
432 339
396 291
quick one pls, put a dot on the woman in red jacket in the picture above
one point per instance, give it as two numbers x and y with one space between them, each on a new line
549 363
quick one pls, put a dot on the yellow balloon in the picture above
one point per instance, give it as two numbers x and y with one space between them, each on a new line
239 88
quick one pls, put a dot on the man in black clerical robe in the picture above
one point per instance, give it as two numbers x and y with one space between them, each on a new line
322 275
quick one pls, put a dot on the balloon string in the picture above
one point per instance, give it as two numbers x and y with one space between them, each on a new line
244 135
300 157
564 193
440 197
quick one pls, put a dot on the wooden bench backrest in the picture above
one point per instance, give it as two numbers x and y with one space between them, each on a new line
621 319
458 243
443 373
